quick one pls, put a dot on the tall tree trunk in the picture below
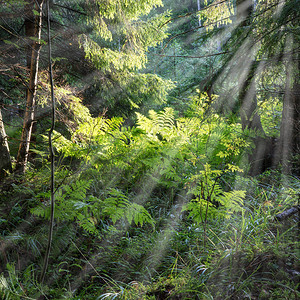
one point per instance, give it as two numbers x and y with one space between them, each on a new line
261 157
33 28
296 124
244 10
5 162
288 145
248 102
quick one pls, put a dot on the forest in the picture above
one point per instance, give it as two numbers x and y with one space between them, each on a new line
149 149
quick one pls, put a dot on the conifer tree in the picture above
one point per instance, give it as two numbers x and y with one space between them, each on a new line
256 38
101 47
33 15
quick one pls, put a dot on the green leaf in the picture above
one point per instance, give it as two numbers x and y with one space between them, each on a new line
35 12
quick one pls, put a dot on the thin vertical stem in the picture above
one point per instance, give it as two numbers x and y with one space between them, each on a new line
52 156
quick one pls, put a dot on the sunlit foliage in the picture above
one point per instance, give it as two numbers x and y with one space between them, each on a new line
154 195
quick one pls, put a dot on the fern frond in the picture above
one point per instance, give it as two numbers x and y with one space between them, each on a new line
87 224
118 207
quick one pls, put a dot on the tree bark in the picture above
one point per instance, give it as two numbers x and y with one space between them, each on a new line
261 157
5 162
244 9
296 124
248 102
199 7
288 145
247 87
33 29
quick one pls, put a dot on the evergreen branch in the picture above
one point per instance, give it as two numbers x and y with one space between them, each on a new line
260 38
192 13
193 29
71 9
215 22
188 56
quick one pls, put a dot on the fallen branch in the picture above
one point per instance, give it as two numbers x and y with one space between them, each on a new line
287 213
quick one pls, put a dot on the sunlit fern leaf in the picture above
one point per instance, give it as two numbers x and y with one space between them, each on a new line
87 224
232 202
118 207
71 204
158 122
113 124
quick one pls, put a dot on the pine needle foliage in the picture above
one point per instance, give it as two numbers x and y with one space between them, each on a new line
127 36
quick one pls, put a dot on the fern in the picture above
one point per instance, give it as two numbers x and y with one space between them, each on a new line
232 202
118 207
71 204
170 152
87 223
157 123
209 194
197 209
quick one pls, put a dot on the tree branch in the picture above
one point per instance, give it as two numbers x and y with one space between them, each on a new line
187 56
71 9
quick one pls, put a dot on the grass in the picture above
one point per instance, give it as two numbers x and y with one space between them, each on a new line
249 256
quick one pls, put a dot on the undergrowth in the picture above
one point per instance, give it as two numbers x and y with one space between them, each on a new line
160 210
249 256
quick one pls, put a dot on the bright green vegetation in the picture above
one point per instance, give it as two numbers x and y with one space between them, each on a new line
169 176
155 211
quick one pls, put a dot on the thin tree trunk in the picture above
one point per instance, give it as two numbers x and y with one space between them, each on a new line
296 119
33 28
199 7
47 254
5 162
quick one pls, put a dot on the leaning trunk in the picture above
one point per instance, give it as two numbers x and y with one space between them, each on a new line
5 162
33 26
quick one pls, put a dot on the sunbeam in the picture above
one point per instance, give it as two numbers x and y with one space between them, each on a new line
176 146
